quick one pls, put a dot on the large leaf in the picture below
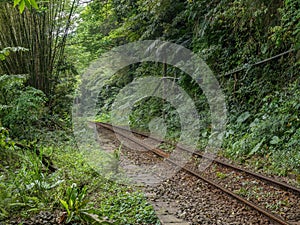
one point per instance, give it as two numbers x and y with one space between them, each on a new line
70 217
65 205
243 117
275 140
22 6
34 4
25 3
257 147
16 2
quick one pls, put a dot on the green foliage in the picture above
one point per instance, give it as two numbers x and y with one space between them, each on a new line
26 186
228 35
127 208
106 198
4 139
148 109
45 63
6 147
271 132
21 109
103 117
6 51
25 3
76 207
27 112
263 100
221 175
288 31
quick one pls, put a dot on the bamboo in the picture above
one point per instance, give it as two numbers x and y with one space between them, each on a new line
44 33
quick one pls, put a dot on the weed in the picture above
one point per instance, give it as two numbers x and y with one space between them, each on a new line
221 175
27 187
76 207
116 159
278 205
243 192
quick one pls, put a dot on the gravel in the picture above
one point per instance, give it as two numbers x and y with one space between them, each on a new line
196 201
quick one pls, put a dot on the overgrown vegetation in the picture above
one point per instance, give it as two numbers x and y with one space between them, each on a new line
41 168
44 45
271 133
27 187
234 38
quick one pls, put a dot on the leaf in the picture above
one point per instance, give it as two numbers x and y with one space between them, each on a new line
264 48
297 46
70 217
275 140
3 213
257 147
56 183
27 3
65 205
6 53
34 4
95 218
243 117
17 204
16 2
22 6
71 202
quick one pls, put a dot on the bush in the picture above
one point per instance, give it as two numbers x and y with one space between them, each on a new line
272 132
21 109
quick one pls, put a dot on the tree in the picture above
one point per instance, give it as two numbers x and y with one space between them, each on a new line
43 32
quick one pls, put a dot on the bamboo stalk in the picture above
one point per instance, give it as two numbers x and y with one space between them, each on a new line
44 33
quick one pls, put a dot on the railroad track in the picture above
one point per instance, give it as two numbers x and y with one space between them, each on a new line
216 182
264 178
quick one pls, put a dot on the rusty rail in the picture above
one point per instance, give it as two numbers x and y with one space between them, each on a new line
269 215
261 177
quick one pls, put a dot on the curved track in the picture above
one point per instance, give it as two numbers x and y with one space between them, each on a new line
271 216
264 178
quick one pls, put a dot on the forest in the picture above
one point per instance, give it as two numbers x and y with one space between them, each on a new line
251 46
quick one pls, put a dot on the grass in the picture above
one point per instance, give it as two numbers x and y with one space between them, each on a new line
27 187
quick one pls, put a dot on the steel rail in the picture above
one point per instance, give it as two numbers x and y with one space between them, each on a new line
261 177
230 193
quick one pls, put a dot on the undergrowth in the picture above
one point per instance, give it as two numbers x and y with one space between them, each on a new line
270 135
75 188
265 136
